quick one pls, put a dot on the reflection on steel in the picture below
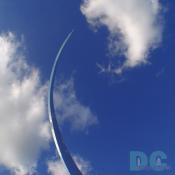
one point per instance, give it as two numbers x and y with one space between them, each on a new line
63 152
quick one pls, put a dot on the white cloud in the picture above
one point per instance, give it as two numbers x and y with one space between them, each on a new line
134 25
24 127
70 110
24 131
57 167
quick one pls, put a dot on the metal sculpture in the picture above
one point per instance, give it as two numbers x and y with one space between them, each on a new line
62 149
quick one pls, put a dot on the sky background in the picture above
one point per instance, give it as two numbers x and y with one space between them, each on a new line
133 111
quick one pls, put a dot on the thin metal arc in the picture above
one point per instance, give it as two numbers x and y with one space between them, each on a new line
62 149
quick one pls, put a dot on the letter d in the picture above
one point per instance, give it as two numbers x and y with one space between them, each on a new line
138 161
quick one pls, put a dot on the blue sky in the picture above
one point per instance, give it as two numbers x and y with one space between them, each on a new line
133 110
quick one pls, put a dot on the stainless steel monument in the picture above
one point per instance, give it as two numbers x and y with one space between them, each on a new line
62 149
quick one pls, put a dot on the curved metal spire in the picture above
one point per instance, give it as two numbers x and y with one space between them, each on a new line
63 152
